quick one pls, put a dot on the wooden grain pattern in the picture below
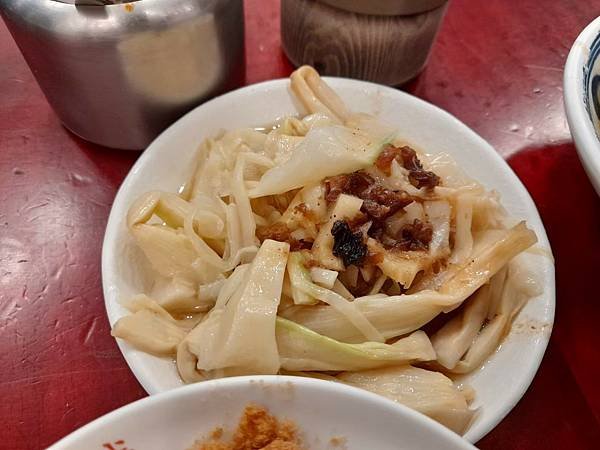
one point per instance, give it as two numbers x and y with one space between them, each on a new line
384 49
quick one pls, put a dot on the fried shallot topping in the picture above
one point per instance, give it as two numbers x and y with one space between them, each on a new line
406 156
411 237
280 232
379 202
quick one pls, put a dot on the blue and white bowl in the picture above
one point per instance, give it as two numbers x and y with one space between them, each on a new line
582 98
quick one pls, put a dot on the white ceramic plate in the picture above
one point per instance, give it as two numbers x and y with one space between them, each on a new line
582 98
321 410
500 383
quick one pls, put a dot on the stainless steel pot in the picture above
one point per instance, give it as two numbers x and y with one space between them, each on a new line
118 75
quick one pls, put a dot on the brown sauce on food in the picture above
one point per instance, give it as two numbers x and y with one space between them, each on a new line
356 222
305 211
280 232
407 157
277 231
373 258
411 237
300 244
378 201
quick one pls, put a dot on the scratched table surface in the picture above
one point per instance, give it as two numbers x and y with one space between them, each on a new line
497 65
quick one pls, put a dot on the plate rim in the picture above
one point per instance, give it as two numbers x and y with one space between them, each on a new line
260 382
550 296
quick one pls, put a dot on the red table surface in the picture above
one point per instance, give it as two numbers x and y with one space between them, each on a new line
497 66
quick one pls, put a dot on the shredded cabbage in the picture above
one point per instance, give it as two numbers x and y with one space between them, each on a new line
323 277
400 314
324 152
150 328
239 336
242 278
428 392
300 277
303 349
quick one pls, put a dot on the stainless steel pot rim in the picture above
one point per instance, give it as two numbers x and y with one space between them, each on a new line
95 2
386 7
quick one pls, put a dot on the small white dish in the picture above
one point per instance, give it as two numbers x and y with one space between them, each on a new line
322 411
500 383
582 98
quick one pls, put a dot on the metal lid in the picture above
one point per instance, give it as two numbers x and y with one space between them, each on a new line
95 2
386 7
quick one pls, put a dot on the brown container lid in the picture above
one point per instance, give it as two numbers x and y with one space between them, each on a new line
386 7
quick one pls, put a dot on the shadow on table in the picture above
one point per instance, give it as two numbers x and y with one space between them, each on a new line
562 407
553 414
